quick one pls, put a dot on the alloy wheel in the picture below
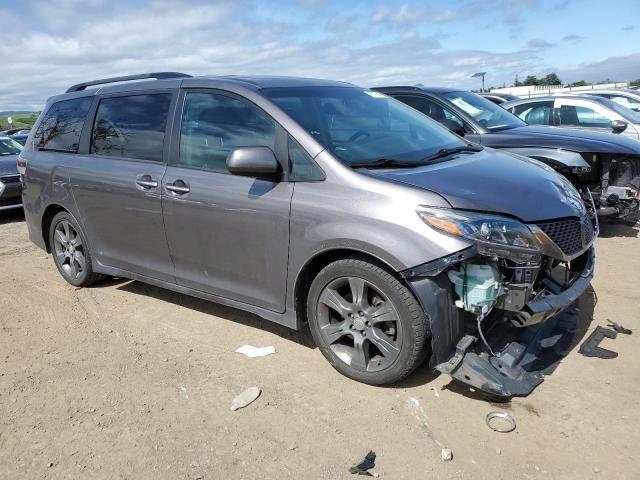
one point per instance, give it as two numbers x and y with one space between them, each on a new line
359 324
69 250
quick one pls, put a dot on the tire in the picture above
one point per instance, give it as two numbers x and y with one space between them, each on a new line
366 323
70 251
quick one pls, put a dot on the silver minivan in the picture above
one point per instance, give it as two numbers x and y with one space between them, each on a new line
312 202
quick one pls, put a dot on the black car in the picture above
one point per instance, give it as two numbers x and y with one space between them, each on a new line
604 167
499 98
11 131
10 186
21 138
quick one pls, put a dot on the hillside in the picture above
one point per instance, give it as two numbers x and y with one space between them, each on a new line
20 119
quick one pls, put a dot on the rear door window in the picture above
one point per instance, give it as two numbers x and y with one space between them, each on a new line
61 126
131 126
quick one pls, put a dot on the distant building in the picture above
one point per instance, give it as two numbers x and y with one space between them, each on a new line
542 90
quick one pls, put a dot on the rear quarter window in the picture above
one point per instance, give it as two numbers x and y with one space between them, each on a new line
61 126
131 126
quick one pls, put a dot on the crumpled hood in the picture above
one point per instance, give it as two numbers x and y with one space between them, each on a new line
497 182
8 165
577 140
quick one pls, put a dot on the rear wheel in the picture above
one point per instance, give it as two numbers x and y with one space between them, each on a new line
366 322
70 251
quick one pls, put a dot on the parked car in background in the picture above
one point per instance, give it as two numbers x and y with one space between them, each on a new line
499 98
603 166
15 131
576 111
10 186
312 201
626 97
21 138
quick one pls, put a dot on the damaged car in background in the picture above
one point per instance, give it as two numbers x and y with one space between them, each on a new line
314 202
604 167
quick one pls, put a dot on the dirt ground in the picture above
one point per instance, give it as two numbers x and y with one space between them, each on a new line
128 381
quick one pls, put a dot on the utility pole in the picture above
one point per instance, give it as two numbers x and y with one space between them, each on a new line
480 74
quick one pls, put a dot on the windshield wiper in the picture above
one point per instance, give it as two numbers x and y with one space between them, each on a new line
385 163
445 152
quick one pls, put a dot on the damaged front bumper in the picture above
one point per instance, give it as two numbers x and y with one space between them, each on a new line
520 356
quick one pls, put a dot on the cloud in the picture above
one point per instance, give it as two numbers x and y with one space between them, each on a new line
368 46
341 23
619 68
628 28
572 38
410 15
539 44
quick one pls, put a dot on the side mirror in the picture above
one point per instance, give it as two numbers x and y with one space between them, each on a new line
455 127
253 162
619 126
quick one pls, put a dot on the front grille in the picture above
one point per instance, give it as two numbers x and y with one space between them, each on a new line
571 236
10 179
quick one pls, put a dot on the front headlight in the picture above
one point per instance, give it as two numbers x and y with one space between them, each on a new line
493 235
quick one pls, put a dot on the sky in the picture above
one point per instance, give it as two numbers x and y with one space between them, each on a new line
48 45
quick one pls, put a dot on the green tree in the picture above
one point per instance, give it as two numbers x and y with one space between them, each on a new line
531 80
551 79
580 83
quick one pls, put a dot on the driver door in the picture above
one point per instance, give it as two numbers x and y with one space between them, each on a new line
228 235
577 113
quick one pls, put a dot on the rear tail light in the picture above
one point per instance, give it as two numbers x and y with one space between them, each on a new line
22 165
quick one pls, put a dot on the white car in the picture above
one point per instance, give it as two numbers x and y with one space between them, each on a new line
626 97
577 111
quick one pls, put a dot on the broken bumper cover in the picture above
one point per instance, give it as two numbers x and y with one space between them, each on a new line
524 353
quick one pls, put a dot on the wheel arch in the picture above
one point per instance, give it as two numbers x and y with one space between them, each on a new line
47 217
316 263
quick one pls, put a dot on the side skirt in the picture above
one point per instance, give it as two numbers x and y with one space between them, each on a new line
287 319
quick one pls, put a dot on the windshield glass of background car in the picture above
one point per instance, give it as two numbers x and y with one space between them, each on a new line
486 113
9 146
626 113
359 126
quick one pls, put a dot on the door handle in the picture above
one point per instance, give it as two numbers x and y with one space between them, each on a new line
146 182
179 187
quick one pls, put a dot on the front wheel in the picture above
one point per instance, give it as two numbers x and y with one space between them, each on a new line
366 322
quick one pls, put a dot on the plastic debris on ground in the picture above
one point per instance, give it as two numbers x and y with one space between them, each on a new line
591 346
619 328
366 464
246 398
253 352
446 455
500 422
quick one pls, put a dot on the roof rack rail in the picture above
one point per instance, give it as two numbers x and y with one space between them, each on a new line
157 75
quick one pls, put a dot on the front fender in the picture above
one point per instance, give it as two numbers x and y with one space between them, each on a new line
558 159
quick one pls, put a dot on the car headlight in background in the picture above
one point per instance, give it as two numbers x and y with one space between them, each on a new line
493 235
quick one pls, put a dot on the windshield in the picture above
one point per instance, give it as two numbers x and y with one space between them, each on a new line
626 113
9 146
486 113
361 126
